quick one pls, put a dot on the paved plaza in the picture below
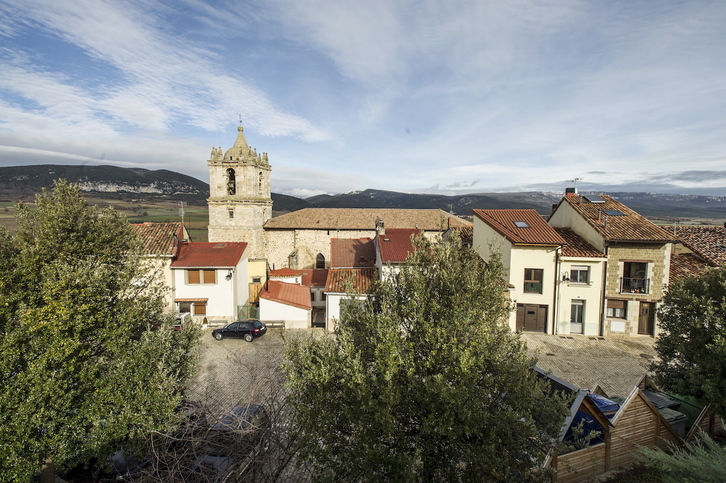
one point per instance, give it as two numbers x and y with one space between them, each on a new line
615 363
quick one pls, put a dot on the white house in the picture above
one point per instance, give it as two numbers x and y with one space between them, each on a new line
529 249
344 283
287 304
211 280
581 272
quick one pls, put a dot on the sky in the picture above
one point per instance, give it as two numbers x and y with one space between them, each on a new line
420 96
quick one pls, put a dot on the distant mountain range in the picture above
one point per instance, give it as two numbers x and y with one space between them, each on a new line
23 182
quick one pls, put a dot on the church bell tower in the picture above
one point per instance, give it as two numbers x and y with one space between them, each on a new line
239 200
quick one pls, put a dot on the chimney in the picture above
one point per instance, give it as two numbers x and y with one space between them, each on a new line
570 191
380 227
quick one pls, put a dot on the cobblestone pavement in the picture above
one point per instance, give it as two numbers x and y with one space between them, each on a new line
615 363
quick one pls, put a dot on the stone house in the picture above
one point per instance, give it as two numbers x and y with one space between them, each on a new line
638 259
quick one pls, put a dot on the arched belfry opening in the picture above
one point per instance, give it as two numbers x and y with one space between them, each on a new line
231 182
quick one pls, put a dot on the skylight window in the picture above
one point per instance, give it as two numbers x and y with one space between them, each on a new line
613 212
521 224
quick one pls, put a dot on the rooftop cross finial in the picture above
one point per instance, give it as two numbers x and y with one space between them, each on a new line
240 119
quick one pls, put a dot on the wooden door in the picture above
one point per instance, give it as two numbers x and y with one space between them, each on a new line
646 318
531 317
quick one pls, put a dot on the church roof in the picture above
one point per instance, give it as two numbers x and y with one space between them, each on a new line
364 219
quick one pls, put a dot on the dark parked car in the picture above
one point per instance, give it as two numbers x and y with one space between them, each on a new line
234 445
247 329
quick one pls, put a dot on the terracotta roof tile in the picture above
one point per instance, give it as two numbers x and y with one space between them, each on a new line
357 279
209 254
708 241
536 231
288 294
157 238
684 265
630 226
285 273
364 219
315 277
352 253
576 245
395 245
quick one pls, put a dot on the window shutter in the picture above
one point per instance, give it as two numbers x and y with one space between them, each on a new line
193 276
210 276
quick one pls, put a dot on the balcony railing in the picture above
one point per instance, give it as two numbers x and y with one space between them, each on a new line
634 285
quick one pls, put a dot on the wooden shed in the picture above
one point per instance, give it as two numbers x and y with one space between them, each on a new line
636 423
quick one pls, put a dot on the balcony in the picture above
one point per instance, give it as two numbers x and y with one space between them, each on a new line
634 285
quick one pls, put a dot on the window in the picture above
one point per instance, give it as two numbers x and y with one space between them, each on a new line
256 279
635 278
580 274
320 261
231 182
521 224
617 309
196 277
231 213
577 311
200 308
533 280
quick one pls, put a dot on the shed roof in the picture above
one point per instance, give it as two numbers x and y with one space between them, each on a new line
358 280
352 252
209 255
707 241
576 245
364 219
521 226
396 244
616 222
158 238
288 294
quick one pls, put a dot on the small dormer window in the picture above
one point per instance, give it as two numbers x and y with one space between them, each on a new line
521 224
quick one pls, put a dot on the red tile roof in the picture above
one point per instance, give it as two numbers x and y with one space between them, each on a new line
537 231
684 265
158 238
315 277
288 294
209 254
629 227
352 253
285 273
359 280
576 245
395 245
707 241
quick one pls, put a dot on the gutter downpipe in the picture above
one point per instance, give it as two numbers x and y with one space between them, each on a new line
604 290
556 301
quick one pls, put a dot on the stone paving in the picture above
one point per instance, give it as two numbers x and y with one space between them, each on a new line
615 363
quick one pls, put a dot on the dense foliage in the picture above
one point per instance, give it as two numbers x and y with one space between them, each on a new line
691 346
701 462
423 381
87 360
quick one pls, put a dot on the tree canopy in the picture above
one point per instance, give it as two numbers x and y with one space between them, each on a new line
423 380
691 345
87 360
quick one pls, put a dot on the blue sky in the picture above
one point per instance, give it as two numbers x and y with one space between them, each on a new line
414 96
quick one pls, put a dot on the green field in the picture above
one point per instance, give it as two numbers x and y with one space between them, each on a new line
196 217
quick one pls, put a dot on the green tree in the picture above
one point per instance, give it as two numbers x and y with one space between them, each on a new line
423 381
87 358
691 345
701 462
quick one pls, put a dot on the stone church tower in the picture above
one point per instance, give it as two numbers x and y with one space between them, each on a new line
239 196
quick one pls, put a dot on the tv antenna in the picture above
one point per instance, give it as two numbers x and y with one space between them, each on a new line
575 180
